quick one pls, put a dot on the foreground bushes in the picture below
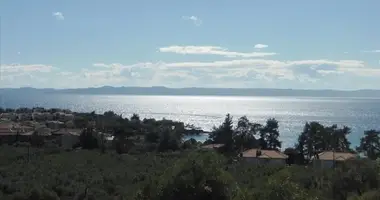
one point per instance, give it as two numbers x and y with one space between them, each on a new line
68 174
85 174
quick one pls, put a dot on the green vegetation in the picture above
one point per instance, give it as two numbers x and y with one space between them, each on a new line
148 159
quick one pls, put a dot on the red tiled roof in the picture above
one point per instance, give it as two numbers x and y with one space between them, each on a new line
329 155
252 153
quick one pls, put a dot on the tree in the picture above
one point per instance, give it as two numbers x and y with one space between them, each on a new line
317 138
269 135
37 140
244 135
121 139
198 176
370 144
168 140
152 136
292 156
81 122
190 144
280 186
135 117
110 114
224 134
354 176
336 138
102 141
87 139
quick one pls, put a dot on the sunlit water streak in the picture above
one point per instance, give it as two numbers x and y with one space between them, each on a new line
206 111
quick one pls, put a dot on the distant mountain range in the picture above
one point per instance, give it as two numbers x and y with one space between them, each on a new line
108 90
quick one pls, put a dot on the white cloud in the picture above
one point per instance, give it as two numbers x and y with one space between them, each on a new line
260 46
211 50
372 51
58 15
282 69
239 70
266 63
194 19
17 68
242 69
66 73
17 75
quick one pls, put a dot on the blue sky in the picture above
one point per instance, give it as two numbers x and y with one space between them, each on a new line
259 44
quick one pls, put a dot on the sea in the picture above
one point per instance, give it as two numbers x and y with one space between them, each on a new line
359 114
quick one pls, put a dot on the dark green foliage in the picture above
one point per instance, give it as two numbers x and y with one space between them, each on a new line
81 122
244 136
168 140
269 135
198 176
190 144
293 156
88 140
224 133
152 162
316 138
37 140
135 117
370 144
68 174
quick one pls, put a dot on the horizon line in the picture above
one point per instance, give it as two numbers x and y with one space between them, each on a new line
233 88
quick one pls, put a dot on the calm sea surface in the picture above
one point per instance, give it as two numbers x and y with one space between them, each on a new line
206 111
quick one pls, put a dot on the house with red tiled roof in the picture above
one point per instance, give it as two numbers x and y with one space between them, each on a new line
328 159
259 156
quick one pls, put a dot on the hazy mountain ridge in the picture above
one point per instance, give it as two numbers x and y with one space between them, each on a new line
108 90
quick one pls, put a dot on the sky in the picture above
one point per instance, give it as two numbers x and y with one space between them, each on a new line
179 43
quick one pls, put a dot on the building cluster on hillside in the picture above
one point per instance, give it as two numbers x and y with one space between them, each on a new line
20 126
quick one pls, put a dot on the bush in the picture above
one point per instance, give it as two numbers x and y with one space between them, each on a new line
199 176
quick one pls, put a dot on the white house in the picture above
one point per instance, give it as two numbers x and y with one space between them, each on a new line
37 116
55 124
258 156
48 116
328 159
64 117
43 131
25 116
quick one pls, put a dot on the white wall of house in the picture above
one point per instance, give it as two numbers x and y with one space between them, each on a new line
25 116
38 116
55 124
65 117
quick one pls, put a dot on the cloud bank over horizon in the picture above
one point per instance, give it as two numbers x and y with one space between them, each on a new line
232 69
